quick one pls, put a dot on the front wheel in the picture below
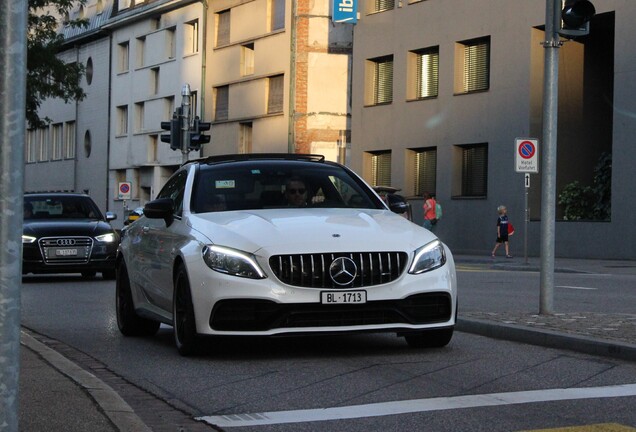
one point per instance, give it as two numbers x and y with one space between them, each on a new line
185 329
129 323
429 338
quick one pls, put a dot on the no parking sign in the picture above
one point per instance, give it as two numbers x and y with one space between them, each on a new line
125 190
527 155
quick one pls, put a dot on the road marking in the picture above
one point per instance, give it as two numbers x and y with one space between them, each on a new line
604 427
577 287
417 406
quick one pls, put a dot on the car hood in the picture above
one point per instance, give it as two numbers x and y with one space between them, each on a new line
291 231
71 227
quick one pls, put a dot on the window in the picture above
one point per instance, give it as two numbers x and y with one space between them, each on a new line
152 149
168 104
474 170
275 94
473 60
43 144
247 59
122 120
122 56
100 7
194 104
174 189
170 43
69 140
277 14
382 5
139 117
221 107
423 73
380 82
31 145
223 28
89 71
381 168
425 170
245 144
141 51
57 141
154 81
191 41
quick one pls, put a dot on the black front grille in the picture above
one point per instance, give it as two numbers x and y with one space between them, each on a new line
263 315
313 270
66 250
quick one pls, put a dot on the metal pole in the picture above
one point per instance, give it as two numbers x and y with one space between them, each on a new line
548 187
185 121
526 218
13 30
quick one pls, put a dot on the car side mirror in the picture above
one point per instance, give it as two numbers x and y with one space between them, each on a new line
162 208
110 216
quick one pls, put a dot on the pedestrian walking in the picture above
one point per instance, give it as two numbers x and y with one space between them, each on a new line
502 231
429 211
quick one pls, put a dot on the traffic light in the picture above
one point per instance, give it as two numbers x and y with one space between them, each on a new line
196 137
174 126
575 18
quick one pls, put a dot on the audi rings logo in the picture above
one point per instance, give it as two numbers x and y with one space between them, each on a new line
343 271
65 242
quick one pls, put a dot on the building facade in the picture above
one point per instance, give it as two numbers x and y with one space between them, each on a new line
439 100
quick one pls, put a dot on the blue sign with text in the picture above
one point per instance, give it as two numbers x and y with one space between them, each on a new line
345 11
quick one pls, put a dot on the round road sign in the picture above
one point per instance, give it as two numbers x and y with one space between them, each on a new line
527 149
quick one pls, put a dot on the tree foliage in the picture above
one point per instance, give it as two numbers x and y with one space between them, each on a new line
590 203
47 75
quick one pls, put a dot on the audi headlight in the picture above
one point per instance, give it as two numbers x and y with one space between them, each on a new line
232 262
428 257
106 238
28 239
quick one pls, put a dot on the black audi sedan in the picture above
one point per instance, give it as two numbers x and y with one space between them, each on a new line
67 233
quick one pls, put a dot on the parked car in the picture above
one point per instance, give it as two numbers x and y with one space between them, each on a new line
264 245
134 215
67 233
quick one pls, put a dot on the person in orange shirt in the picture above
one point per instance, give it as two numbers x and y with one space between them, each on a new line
429 211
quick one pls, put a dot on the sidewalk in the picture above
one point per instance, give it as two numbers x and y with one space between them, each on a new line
58 395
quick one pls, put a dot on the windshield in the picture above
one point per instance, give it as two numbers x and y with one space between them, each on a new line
254 185
67 207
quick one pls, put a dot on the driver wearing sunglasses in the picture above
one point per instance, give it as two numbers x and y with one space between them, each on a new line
295 192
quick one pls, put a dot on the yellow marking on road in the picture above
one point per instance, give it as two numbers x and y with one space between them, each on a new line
604 427
476 268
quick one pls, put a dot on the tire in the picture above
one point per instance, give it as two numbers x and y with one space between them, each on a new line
129 323
88 274
109 274
183 320
430 338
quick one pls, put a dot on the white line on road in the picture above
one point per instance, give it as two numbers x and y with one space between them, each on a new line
418 405
577 287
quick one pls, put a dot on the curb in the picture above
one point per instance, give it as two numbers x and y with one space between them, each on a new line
113 406
548 338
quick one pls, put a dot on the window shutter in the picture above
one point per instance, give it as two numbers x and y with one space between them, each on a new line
384 81
475 170
275 98
381 169
425 171
222 103
383 5
476 66
428 74
223 31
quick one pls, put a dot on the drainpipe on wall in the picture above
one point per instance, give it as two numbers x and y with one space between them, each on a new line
291 133
204 32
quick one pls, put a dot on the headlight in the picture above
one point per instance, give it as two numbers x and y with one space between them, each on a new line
106 238
428 257
232 262
28 239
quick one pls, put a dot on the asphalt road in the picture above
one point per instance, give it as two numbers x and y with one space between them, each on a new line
354 383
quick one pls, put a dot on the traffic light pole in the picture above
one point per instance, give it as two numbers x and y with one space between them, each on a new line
548 179
186 121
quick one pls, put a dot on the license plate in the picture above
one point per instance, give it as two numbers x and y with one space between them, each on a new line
66 252
343 297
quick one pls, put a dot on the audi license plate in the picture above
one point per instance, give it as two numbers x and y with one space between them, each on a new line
66 252
343 297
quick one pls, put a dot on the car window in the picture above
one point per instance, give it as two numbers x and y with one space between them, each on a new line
60 207
254 185
174 189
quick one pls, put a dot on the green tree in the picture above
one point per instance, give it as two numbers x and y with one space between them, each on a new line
47 75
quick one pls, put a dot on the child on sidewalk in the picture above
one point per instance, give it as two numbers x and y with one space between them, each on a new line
502 231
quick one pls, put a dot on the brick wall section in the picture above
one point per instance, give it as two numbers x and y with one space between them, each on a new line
304 136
